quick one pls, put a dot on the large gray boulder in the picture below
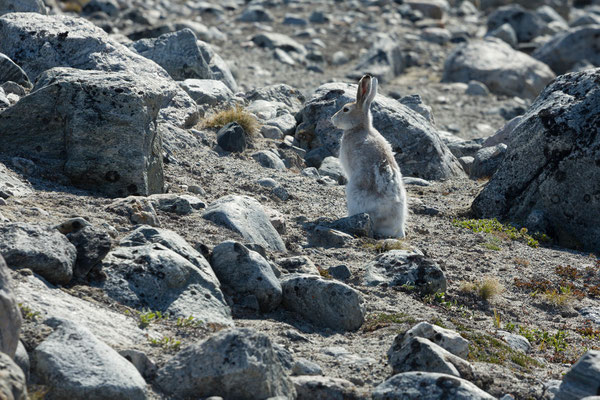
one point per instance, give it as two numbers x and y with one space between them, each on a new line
159 278
178 53
74 364
96 127
10 315
246 216
552 167
583 379
501 68
12 380
32 6
234 364
419 150
566 49
247 273
527 24
326 303
420 354
383 60
39 42
40 248
428 386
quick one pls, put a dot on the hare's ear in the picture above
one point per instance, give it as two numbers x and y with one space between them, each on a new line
364 85
371 95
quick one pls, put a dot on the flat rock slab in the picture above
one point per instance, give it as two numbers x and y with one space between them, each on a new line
325 303
404 267
43 249
12 185
428 386
445 338
114 329
156 277
236 363
10 315
76 365
419 150
246 216
38 43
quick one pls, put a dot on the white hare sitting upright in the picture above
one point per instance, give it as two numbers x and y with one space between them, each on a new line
374 179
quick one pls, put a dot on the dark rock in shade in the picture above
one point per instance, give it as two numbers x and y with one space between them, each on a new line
419 150
246 216
38 43
402 267
566 49
428 386
323 302
583 379
10 315
22 360
74 121
12 380
92 246
553 165
357 225
235 364
340 272
9 71
232 137
178 53
527 24
42 249
487 161
246 272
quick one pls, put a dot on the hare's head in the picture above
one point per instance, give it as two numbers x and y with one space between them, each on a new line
357 114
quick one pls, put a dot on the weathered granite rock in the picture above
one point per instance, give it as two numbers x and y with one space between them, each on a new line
324 388
237 363
76 365
552 164
80 117
323 302
12 380
40 248
502 69
246 216
37 43
445 338
566 49
9 71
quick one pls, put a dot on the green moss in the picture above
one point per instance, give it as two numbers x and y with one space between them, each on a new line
486 348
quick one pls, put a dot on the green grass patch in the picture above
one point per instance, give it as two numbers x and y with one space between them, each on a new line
501 231
234 114
486 348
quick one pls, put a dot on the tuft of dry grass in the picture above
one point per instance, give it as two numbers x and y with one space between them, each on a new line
234 114
486 288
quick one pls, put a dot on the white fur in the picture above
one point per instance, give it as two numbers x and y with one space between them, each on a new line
374 179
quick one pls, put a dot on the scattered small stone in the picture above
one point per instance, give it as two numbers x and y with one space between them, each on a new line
322 236
303 366
324 387
269 159
232 137
340 272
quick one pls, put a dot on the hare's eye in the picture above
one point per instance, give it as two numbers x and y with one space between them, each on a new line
346 109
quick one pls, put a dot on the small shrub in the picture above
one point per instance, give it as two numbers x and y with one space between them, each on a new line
167 343
146 317
189 322
324 273
27 313
235 114
501 231
559 298
521 262
568 272
486 288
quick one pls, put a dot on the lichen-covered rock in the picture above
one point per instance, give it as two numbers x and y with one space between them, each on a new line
74 120
419 150
236 363
323 302
552 165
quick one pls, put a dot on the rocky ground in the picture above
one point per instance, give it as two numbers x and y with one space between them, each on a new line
250 231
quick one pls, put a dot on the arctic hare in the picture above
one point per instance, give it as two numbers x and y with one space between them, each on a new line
374 179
